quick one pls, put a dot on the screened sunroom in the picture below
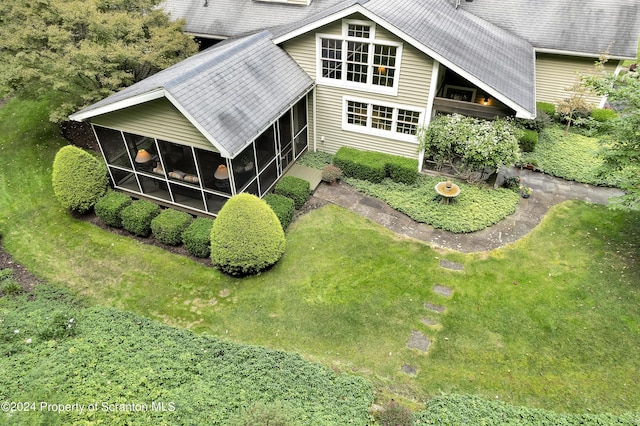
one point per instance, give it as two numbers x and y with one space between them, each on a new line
231 119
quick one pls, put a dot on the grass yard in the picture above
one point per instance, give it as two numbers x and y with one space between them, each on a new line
551 321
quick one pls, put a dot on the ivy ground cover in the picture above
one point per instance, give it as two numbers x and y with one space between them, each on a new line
549 322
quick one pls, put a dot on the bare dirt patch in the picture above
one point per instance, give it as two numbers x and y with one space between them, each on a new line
20 274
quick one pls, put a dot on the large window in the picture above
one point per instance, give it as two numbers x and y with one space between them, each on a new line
371 117
358 59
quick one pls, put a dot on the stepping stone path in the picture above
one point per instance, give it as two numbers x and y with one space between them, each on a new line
418 341
454 266
434 308
442 290
428 321
409 369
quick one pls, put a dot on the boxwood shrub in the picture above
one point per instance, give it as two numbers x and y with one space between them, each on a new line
295 188
197 237
169 225
137 217
79 179
375 166
546 107
283 207
603 115
362 165
246 237
528 140
109 207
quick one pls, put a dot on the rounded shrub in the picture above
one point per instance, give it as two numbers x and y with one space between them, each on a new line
246 237
295 188
197 237
603 115
283 207
79 179
109 207
169 225
137 217
546 107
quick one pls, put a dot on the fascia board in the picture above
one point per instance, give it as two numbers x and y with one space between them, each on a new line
125 103
580 54
319 23
223 152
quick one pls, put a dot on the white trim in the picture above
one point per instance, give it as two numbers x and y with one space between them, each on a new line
357 8
578 54
125 103
194 122
368 130
206 36
433 89
370 24
346 84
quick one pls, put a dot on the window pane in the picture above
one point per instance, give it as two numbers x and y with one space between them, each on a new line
407 122
244 167
213 175
357 113
268 177
124 179
284 126
357 61
300 143
143 151
332 58
188 197
113 147
384 61
299 115
360 31
178 162
382 117
154 187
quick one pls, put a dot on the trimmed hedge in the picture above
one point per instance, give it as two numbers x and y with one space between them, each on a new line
375 166
295 188
528 140
197 237
79 179
247 237
109 207
283 207
362 165
169 225
546 107
137 217
603 115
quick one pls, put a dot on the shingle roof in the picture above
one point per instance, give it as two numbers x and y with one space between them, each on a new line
231 91
583 26
230 18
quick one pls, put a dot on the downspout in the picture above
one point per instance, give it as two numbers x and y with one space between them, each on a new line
433 87
314 120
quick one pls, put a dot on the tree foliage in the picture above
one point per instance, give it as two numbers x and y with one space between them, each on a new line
84 50
621 152
476 144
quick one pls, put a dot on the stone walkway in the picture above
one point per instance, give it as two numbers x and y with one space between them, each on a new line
547 191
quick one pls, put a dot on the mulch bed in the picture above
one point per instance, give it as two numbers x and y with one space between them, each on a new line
20 274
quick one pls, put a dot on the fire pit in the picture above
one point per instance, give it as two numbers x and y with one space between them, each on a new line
447 190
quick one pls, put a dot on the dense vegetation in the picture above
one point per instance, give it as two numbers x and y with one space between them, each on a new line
57 350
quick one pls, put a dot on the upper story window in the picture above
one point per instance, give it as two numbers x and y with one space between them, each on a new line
357 59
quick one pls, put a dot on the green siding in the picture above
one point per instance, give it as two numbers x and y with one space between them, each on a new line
157 119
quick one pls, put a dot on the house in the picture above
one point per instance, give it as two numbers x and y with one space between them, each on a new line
330 73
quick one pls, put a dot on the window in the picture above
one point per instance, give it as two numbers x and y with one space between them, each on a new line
357 59
384 120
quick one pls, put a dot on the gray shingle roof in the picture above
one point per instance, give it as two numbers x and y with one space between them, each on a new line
230 18
585 26
232 90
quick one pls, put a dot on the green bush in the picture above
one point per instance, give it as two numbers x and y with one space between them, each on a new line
528 140
283 207
169 225
295 188
603 115
109 207
546 107
316 160
247 236
79 179
400 169
363 165
137 217
197 237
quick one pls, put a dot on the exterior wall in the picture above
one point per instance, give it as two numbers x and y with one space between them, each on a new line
555 73
415 72
156 119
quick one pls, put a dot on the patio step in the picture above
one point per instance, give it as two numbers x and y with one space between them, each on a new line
313 176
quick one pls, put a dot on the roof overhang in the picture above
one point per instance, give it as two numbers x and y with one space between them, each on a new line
583 54
85 114
521 112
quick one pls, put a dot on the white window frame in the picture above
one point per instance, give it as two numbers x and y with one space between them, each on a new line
371 42
372 131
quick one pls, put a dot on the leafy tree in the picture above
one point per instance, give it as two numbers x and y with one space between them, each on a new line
84 50
621 151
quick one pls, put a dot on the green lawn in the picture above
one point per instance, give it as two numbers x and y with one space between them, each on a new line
551 321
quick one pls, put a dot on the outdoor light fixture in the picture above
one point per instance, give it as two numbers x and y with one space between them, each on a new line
143 156
221 172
